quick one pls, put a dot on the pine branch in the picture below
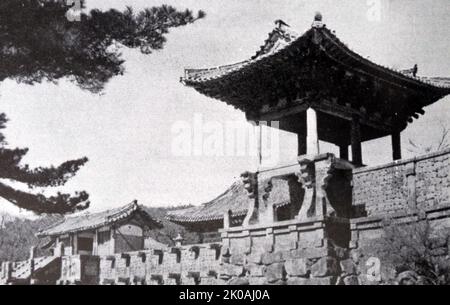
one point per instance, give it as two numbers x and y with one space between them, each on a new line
39 43
10 168
59 204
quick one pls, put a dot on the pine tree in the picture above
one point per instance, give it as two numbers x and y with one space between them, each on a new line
47 40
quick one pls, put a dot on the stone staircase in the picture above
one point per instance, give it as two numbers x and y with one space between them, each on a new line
23 274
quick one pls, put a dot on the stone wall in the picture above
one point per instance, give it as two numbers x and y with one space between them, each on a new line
369 266
79 269
193 264
422 182
289 252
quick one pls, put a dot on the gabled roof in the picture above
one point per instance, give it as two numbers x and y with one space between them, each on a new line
282 39
235 199
96 220
278 66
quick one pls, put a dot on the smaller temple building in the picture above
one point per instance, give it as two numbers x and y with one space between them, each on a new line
105 233
229 210
208 218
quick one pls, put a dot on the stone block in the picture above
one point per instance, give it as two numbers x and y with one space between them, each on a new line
351 280
189 281
278 282
170 281
257 280
237 259
239 281
348 267
330 280
227 271
255 270
274 272
356 255
225 251
310 252
254 258
271 258
211 281
297 281
297 267
324 267
268 246
311 281
225 260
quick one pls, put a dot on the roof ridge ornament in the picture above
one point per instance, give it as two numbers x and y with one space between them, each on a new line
411 72
281 25
317 23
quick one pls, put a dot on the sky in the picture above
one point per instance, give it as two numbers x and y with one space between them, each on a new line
127 132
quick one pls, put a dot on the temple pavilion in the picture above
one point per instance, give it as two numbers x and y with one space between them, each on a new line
104 233
318 88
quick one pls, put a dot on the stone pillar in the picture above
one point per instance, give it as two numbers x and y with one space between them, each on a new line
356 141
411 183
31 259
178 240
8 269
2 271
32 252
312 137
343 151
396 145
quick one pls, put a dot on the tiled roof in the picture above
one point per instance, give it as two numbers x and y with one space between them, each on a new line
278 39
235 199
280 36
442 82
90 221
281 39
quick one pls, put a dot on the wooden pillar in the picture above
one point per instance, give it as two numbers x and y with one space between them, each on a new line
226 219
95 243
72 241
396 145
312 135
75 244
259 143
343 151
356 141
112 241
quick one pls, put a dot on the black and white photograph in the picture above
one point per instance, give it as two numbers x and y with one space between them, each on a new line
225 143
